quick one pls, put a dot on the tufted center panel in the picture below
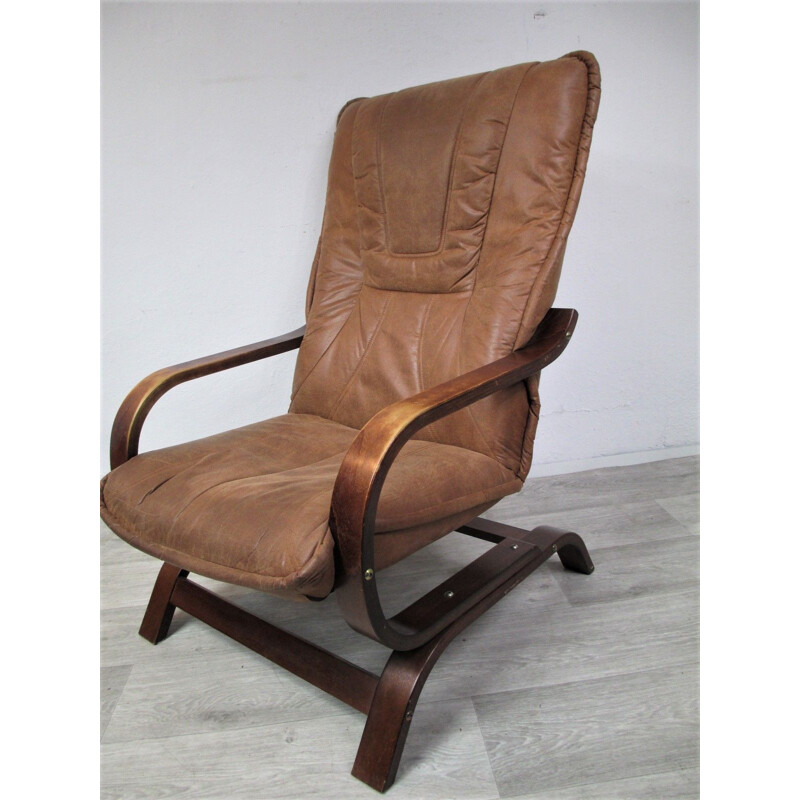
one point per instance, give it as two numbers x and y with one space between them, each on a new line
447 212
415 157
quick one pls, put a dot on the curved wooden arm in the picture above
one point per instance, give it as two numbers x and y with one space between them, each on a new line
136 406
366 464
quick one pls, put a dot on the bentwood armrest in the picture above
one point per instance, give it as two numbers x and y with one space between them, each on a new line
440 250
136 406
367 462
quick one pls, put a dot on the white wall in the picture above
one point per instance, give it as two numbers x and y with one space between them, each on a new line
217 126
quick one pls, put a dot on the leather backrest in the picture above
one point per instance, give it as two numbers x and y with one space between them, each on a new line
447 213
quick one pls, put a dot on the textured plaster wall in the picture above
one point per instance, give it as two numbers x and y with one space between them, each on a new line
217 126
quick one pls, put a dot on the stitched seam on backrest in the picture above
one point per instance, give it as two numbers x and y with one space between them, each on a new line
470 410
451 175
330 344
489 449
425 318
546 264
379 170
357 293
570 205
494 187
361 179
552 251
312 281
357 368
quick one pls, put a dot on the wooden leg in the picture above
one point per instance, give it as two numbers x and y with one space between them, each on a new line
332 674
405 673
388 701
574 556
569 546
158 616
391 713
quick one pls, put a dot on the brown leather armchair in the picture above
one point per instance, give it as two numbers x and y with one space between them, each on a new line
415 398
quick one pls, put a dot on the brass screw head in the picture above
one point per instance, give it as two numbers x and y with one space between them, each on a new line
369 574
448 594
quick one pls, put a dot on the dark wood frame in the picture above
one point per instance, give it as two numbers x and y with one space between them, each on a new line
420 633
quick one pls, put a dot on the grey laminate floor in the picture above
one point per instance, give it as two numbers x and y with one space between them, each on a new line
571 687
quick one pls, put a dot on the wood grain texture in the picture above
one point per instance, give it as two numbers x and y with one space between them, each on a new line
678 785
590 731
112 682
366 463
685 509
611 523
303 759
566 644
201 716
339 677
160 608
140 400
597 487
636 570
223 690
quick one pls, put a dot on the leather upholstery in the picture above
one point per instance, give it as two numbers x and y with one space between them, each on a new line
447 212
396 306
251 505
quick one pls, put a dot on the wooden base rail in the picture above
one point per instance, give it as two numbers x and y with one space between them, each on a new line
389 700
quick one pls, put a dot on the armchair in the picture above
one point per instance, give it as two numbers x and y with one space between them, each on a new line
415 400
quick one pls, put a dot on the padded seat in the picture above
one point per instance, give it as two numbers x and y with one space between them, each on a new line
428 315
251 506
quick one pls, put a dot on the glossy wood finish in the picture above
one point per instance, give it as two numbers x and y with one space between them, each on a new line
569 546
137 405
389 702
201 716
334 675
367 463
160 609
406 671
420 633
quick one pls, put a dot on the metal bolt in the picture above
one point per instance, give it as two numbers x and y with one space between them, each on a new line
568 334
514 546
448 594
369 574
555 547
408 716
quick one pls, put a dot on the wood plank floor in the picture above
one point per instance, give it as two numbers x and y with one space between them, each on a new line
573 687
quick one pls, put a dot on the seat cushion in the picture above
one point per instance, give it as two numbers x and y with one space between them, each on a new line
251 505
